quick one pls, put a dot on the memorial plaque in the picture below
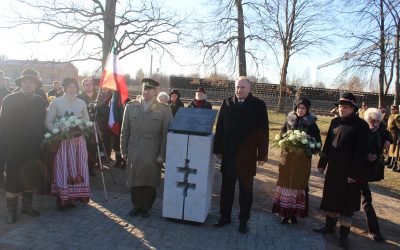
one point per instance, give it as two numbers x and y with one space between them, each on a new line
193 121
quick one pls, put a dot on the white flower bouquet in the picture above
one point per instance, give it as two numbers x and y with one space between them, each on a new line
67 127
298 141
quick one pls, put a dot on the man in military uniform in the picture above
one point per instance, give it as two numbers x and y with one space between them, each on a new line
4 91
394 129
22 128
143 144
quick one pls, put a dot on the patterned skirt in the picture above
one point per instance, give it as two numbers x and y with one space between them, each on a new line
70 172
290 202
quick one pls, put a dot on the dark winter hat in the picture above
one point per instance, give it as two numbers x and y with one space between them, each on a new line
67 81
29 74
201 89
150 83
174 91
348 99
305 102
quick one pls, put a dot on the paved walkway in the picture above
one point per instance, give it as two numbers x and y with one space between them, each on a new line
105 225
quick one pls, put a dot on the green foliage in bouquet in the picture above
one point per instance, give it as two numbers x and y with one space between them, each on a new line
298 142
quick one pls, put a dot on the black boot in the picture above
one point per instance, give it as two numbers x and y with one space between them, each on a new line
344 237
396 168
243 228
223 220
388 162
27 204
394 163
118 160
329 227
12 204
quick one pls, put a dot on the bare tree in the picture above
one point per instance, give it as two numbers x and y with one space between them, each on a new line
232 35
373 51
295 26
92 27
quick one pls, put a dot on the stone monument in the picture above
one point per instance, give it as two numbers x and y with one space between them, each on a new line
189 169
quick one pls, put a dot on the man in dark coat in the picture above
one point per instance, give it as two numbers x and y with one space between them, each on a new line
175 102
242 140
200 100
344 154
22 128
4 91
56 88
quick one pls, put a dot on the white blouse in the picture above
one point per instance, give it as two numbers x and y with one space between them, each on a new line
64 103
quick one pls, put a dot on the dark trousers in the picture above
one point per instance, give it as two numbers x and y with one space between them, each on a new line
143 197
2 163
372 220
228 193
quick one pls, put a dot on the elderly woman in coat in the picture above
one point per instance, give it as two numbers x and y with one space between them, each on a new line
143 144
343 156
291 197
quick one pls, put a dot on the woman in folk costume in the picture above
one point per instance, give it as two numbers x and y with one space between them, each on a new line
70 170
291 197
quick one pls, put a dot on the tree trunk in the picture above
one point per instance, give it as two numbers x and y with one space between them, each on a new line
282 82
109 29
382 57
397 61
241 40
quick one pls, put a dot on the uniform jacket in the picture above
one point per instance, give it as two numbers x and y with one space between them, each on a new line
143 139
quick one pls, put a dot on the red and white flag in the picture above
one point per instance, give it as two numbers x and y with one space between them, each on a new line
113 78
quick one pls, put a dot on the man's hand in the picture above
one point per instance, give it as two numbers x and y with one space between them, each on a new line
387 145
124 156
371 157
351 180
159 160
260 163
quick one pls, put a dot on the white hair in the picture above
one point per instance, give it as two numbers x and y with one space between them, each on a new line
374 114
162 97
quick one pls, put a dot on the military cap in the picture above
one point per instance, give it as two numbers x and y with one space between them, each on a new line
150 83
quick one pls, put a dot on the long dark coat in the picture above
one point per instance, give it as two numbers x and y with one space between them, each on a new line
21 134
242 135
295 169
3 93
345 154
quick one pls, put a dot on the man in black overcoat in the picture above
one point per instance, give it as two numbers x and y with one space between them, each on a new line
242 140
4 91
22 128
344 155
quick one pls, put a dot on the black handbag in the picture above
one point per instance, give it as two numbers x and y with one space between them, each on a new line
376 170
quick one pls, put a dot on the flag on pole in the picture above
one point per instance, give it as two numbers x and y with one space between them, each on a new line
113 78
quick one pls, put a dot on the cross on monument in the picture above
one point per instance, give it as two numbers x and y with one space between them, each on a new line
185 184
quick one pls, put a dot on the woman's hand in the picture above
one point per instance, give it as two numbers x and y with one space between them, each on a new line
371 157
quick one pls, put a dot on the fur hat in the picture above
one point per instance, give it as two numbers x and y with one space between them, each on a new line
176 92
305 102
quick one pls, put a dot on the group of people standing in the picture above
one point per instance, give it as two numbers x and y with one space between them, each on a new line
351 155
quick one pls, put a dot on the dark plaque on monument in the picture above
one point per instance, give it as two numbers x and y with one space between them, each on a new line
193 121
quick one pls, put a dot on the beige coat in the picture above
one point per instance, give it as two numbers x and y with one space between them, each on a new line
143 139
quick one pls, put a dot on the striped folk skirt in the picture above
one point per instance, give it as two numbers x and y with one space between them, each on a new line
70 171
290 202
